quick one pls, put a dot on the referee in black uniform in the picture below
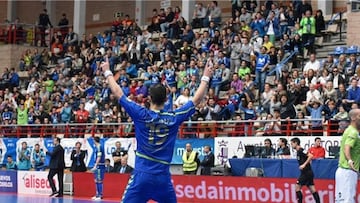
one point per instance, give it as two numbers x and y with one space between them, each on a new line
306 173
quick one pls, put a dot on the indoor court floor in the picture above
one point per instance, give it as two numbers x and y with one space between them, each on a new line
18 198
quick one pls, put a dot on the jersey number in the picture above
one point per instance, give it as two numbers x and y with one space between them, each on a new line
157 133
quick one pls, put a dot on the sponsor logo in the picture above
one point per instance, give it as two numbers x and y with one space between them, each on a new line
31 181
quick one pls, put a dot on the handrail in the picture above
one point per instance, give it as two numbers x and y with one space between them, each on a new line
188 129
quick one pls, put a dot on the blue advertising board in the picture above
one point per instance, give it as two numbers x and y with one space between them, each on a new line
197 145
8 181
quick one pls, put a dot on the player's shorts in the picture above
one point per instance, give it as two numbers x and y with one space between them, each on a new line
345 185
144 186
306 178
99 173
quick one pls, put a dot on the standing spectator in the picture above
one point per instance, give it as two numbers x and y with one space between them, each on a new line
235 55
190 160
308 26
315 108
44 21
319 22
63 24
57 165
77 156
208 162
317 150
346 176
38 158
118 154
24 157
214 14
262 63
10 165
199 16
72 38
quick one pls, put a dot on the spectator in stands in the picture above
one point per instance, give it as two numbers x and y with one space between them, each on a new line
262 63
124 167
155 22
118 154
319 22
273 27
108 167
44 21
72 38
65 113
214 14
259 24
353 93
63 24
38 158
10 165
24 156
308 25
315 108
78 156
317 150
283 150
268 151
199 16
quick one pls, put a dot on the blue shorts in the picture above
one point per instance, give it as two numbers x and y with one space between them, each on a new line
144 186
99 173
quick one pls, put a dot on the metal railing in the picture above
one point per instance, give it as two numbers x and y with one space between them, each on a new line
193 129
29 34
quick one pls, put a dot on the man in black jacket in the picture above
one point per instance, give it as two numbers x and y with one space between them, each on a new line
77 157
44 21
57 165
208 162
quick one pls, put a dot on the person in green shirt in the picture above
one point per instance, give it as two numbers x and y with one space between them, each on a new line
243 70
49 84
180 76
308 30
346 176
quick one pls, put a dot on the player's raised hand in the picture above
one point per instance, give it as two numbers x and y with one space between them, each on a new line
208 68
105 65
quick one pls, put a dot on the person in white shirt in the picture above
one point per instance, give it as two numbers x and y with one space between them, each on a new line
33 85
313 94
313 64
183 98
90 106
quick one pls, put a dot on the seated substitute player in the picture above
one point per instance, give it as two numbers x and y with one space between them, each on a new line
306 173
155 132
99 168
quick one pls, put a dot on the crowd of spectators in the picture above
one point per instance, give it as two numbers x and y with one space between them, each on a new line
250 82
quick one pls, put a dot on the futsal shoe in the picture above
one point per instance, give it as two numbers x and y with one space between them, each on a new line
54 194
96 198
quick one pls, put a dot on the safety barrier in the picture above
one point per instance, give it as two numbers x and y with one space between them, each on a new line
29 34
190 129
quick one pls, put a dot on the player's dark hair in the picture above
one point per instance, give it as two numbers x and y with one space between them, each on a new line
58 139
296 140
317 138
268 140
158 94
283 140
97 139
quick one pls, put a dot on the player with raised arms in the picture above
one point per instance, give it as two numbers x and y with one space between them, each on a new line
155 131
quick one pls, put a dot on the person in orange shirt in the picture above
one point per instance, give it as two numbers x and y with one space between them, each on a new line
317 150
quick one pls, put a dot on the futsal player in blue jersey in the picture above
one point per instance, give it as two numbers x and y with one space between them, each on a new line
155 131
99 168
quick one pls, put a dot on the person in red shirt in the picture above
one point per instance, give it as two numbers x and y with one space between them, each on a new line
317 150
81 116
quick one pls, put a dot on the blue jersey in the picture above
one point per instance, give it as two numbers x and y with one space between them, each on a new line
155 134
170 76
100 152
217 77
261 60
